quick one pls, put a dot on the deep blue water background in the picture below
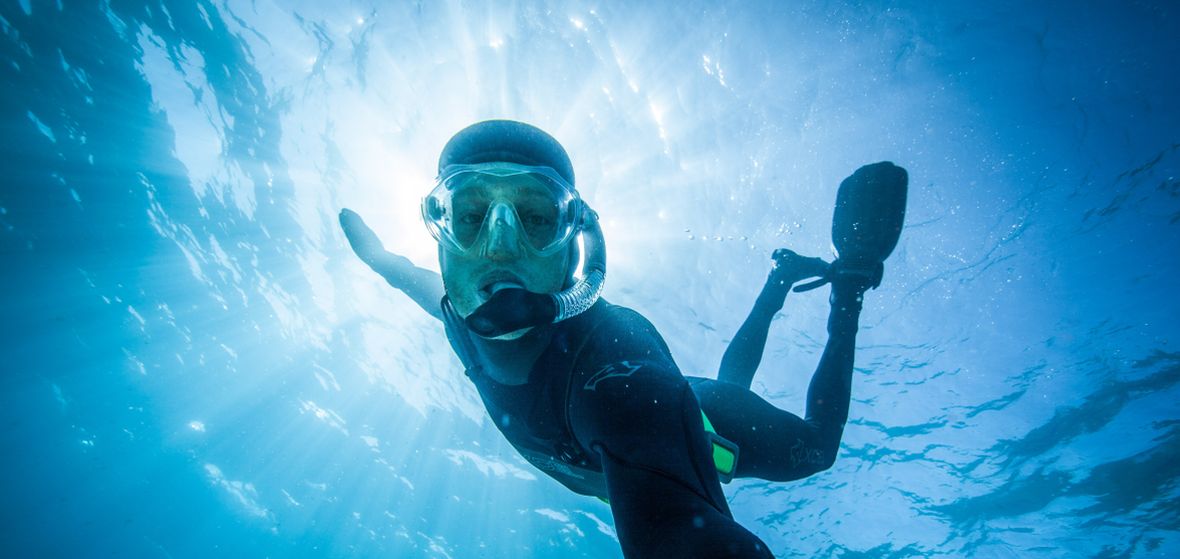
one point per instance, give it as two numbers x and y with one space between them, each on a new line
195 364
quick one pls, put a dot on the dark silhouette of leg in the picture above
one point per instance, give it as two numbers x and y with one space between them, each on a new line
777 445
744 353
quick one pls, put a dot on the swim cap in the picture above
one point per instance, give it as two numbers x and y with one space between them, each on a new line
506 141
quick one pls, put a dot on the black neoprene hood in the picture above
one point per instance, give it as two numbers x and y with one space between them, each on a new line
506 141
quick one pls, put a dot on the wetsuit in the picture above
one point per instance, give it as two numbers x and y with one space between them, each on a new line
606 412
777 445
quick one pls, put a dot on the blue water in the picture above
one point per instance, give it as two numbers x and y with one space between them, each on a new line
195 364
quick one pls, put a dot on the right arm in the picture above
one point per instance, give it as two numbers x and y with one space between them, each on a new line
423 286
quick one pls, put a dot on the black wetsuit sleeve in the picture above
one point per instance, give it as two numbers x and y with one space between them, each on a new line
632 409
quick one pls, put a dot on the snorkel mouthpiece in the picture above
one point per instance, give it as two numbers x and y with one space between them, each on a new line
511 310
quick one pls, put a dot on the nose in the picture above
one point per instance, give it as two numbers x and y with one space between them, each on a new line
503 234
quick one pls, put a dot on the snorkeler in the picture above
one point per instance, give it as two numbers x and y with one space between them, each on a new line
587 391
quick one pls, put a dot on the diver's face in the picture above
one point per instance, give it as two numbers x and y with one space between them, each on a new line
499 258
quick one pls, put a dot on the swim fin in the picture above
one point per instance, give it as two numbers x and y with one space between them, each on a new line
870 212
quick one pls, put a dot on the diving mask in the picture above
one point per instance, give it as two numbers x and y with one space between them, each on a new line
542 209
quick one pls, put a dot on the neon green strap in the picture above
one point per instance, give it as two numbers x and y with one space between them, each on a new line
725 452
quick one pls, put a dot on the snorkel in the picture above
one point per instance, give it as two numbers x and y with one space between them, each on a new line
582 295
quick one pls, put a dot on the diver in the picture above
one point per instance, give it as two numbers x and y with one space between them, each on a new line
587 391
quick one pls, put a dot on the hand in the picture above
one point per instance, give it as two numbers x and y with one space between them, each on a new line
363 240
790 267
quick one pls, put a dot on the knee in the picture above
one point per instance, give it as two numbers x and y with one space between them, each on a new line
826 461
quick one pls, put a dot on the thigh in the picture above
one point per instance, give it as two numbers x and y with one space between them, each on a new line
773 444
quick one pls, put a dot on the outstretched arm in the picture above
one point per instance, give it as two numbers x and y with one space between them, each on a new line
421 285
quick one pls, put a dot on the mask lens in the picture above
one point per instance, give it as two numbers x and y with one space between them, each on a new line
539 214
543 206
468 209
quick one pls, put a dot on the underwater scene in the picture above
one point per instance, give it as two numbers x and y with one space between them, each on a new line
198 364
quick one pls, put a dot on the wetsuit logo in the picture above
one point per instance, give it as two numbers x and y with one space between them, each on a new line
620 369
800 454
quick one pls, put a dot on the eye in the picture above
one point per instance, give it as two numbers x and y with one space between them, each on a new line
471 218
537 220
